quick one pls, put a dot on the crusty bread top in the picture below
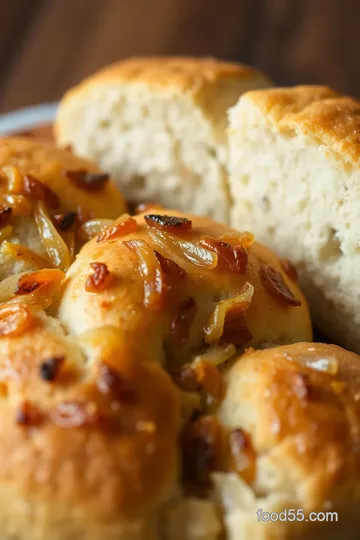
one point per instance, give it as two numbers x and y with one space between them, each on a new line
162 72
300 404
49 165
316 111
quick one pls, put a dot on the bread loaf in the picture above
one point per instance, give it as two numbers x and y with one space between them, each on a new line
94 400
294 177
158 125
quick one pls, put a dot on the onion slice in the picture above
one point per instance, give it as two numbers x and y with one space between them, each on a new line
35 288
183 251
239 334
54 245
151 273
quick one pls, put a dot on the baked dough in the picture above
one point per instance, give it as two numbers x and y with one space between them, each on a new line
91 421
33 172
158 125
294 178
299 406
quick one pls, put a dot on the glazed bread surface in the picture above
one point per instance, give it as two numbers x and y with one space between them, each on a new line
299 406
35 172
158 125
294 177
92 411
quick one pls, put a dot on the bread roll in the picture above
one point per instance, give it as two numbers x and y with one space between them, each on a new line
34 173
295 177
158 125
298 408
90 420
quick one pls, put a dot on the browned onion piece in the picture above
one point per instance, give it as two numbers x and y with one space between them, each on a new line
83 214
35 288
151 273
183 252
64 222
28 415
14 320
234 238
227 324
99 280
123 226
276 286
168 223
21 206
40 192
235 257
92 228
54 245
169 267
180 326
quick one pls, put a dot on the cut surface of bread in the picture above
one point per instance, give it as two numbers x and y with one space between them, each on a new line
295 181
158 125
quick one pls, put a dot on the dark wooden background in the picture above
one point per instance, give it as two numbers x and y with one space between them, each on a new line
47 46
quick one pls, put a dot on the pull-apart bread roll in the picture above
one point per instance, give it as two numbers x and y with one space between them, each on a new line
46 196
295 182
158 125
97 403
293 414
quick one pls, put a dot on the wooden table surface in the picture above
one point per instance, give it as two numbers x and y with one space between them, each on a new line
46 46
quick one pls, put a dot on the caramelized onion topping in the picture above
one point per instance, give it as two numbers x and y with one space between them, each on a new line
87 180
20 205
83 214
168 223
244 239
289 269
99 280
64 222
151 273
54 245
73 414
36 288
40 192
15 183
122 227
170 268
234 257
18 251
111 383
183 252
28 415
181 324
217 355
228 323
49 369
14 320
5 232
5 215
243 454
202 449
275 284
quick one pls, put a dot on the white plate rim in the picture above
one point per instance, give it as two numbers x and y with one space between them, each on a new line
27 118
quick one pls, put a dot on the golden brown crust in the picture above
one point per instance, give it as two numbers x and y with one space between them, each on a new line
122 304
316 111
102 447
303 412
185 74
49 165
